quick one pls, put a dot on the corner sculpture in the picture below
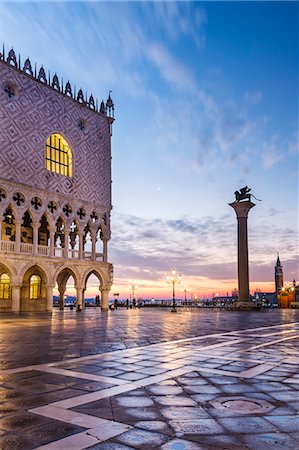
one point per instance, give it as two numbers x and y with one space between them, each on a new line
242 205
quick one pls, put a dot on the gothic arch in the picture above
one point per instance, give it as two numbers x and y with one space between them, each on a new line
63 273
97 273
37 302
7 268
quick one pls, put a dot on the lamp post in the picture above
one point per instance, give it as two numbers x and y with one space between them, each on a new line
185 290
173 278
132 289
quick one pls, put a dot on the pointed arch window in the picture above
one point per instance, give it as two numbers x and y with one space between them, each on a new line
35 287
5 288
58 155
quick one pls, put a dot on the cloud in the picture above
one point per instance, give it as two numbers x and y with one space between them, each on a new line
148 248
271 155
253 97
171 69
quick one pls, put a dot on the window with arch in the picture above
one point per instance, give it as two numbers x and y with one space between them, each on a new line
58 155
5 288
35 287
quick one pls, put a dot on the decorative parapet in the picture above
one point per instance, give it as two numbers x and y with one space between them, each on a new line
66 89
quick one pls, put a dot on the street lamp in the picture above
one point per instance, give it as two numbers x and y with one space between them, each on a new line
185 290
132 289
173 278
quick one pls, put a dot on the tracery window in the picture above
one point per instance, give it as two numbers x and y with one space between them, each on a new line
58 155
35 287
5 288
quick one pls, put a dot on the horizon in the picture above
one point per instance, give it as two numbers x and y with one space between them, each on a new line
203 106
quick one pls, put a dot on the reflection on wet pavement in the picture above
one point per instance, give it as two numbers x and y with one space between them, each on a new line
150 380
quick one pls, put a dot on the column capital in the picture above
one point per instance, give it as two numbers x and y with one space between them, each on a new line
242 208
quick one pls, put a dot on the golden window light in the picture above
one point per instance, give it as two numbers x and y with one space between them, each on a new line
5 288
35 287
58 155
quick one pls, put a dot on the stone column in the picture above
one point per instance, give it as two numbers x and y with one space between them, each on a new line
104 298
80 245
66 244
49 297
16 296
61 297
35 227
79 299
52 240
105 250
93 246
242 210
18 236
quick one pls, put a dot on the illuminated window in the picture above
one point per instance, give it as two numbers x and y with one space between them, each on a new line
58 155
5 288
35 287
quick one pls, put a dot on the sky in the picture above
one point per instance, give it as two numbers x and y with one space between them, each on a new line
206 102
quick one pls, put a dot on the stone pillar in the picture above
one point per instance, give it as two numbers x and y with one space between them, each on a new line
35 227
66 244
61 297
104 298
18 236
93 246
105 250
16 296
80 245
79 299
49 297
242 210
52 240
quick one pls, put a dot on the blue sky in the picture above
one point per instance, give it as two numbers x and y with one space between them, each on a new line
206 97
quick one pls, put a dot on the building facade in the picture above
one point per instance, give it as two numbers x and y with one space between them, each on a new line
55 188
287 294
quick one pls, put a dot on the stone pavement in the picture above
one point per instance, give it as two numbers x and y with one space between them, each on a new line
150 379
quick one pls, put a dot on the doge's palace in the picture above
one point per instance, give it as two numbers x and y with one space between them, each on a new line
55 187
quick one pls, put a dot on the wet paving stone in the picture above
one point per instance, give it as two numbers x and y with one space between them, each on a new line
286 423
51 431
181 444
15 442
196 426
132 401
154 425
133 415
143 439
270 441
247 425
21 421
184 412
164 390
174 400
219 441
110 446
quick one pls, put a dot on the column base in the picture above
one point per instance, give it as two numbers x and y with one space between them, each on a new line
242 305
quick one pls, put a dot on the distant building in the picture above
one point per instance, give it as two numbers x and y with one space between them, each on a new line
55 188
287 294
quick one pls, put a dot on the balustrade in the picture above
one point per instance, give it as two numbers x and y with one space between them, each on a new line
26 248
44 250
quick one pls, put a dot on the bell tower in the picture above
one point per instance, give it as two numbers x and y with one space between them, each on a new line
278 276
